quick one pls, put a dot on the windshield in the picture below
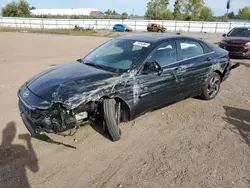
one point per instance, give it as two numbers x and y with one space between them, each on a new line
117 55
239 32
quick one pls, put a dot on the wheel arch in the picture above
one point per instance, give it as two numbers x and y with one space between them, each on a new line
125 109
220 74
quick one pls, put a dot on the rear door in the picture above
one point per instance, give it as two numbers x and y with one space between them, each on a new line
195 64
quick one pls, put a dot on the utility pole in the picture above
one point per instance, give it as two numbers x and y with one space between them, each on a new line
227 14
229 4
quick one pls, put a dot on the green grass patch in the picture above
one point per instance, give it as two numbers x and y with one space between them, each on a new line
51 31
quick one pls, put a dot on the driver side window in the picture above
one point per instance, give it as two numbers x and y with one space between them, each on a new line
165 54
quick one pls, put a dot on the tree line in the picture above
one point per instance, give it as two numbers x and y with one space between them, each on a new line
189 10
156 10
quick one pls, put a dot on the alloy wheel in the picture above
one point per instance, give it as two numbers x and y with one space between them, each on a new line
213 86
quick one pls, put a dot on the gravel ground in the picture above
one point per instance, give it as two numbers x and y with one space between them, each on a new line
193 143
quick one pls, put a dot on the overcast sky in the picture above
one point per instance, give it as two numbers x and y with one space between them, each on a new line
139 6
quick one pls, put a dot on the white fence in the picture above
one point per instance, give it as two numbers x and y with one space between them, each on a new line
136 25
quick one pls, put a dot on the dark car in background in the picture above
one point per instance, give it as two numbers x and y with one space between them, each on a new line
237 42
121 28
121 80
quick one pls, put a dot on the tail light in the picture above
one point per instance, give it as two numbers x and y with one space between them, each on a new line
228 58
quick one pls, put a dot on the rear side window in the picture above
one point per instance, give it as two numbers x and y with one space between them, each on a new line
191 49
206 48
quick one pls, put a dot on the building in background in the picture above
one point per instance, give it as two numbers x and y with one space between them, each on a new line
68 12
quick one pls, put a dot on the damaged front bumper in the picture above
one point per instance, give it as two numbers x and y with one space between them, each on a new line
53 120
33 129
40 116
34 132
29 119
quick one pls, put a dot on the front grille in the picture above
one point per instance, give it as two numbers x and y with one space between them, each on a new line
235 48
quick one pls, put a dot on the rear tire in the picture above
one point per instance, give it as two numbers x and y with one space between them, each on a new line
114 30
212 87
112 115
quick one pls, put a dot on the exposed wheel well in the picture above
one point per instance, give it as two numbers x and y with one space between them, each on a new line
125 110
221 75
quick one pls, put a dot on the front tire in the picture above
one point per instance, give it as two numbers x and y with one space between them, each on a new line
212 87
112 116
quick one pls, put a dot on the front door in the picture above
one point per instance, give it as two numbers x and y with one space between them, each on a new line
155 90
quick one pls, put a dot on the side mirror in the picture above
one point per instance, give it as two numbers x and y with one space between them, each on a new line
224 35
150 67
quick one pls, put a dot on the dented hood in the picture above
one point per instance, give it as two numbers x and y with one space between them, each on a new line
64 81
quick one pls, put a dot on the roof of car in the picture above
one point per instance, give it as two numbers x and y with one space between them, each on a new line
240 28
154 38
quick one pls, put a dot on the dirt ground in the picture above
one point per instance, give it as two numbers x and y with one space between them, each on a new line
194 143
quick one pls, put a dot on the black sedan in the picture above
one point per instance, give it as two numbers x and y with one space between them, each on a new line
120 80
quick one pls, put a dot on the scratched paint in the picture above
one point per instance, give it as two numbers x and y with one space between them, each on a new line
103 88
